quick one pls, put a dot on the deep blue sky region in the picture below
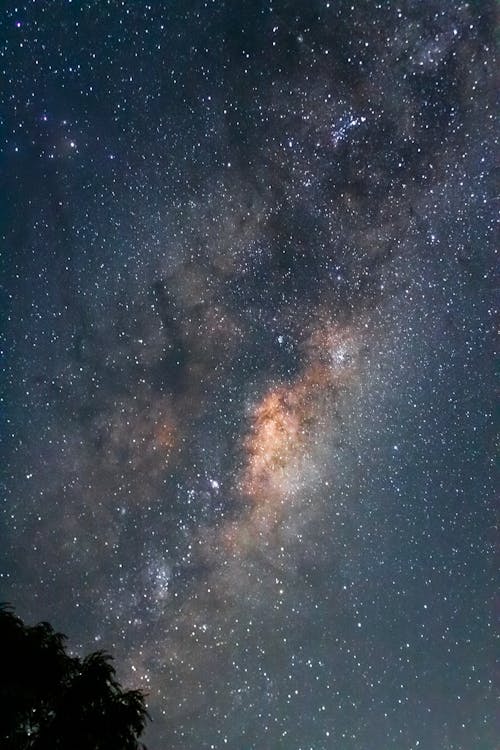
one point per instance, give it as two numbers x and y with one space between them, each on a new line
249 304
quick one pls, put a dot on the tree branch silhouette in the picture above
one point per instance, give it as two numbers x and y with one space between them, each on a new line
52 701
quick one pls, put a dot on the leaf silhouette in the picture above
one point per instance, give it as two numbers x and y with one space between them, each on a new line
52 701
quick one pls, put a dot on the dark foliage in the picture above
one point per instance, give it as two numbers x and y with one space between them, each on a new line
52 701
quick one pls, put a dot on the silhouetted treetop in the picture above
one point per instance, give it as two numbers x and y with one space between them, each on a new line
52 701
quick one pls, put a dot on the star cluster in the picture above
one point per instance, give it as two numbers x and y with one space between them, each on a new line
248 404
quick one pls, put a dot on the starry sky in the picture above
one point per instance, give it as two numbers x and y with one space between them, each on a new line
248 312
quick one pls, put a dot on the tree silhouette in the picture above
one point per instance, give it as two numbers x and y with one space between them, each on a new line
52 701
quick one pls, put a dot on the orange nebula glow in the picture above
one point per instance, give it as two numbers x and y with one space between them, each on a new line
286 427
278 431
164 435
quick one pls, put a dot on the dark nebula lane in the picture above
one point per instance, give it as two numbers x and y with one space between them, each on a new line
248 396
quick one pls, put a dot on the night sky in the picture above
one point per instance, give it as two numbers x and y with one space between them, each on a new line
248 295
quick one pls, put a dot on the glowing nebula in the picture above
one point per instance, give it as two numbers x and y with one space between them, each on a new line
286 427
277 436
